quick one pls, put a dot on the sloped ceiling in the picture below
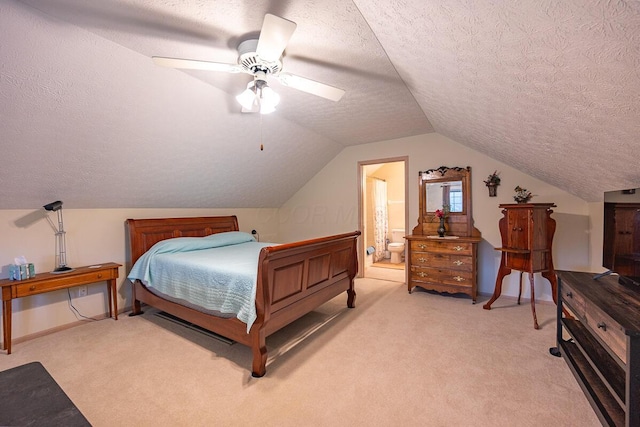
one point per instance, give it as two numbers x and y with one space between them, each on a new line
551 88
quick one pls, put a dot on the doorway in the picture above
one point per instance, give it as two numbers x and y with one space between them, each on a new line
383 217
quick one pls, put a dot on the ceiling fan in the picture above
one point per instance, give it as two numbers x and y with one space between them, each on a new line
261 58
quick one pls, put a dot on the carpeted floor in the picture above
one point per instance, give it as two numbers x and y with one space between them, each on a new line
419 359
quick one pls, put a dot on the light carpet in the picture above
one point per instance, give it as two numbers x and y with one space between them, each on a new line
420 359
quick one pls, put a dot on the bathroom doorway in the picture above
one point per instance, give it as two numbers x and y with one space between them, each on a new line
383 218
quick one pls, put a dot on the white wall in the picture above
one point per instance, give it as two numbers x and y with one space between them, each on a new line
596 229
93 236
328 204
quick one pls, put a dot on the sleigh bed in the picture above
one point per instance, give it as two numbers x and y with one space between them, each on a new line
292 279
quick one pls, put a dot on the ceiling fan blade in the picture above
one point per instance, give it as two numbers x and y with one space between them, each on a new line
274 36
311 86
192 64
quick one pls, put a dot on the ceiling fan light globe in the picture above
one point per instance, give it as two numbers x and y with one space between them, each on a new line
247 98
269 96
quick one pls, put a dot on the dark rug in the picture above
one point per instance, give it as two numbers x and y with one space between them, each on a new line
29 396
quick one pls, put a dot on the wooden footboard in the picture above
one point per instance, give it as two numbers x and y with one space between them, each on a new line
293 279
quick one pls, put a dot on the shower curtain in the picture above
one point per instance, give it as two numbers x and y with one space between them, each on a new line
381 219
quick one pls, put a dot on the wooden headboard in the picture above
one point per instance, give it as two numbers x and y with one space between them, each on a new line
144 233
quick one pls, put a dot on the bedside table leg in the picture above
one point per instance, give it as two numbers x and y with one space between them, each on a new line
6 325
112 295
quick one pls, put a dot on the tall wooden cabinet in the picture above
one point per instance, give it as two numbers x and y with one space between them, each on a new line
448 263
622 238
527 231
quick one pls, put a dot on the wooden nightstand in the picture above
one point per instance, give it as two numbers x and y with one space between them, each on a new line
47 282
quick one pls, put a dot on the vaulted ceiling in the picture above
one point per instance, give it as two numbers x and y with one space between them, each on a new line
551 88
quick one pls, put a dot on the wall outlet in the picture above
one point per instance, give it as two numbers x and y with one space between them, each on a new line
83 291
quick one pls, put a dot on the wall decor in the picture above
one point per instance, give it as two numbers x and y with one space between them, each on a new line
492 183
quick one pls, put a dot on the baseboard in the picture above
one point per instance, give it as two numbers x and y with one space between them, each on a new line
59 328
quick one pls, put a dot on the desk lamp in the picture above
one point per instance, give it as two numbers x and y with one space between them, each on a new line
61 250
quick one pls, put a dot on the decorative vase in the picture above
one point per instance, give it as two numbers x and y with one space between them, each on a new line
493 190
441 228
522 199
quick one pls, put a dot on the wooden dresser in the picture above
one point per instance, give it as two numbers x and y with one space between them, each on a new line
443 264
449 263
603 349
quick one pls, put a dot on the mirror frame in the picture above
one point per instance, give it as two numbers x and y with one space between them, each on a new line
458 223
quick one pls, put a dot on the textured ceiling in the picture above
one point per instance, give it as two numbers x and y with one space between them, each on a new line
551 88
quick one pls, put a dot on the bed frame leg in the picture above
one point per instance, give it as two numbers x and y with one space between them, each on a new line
351 298
136 308
259 350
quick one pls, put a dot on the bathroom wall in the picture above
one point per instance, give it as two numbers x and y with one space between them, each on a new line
393 174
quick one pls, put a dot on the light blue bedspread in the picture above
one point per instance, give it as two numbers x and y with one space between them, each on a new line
216 273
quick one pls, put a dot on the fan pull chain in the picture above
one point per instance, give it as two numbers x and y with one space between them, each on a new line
261 144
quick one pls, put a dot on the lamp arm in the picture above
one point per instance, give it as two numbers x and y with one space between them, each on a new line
52 224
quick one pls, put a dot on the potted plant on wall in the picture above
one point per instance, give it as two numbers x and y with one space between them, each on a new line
492 183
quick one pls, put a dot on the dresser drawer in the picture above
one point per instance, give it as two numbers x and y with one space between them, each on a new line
574 300
450 277
36 287
436 260
610 332
442 246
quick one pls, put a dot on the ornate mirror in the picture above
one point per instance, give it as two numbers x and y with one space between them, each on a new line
444 195
449 190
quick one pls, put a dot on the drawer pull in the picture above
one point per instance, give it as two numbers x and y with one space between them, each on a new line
32 287
569 294
422 259
422 246
458 248
602 325
99 275
517 228
458 278
422 274
458 262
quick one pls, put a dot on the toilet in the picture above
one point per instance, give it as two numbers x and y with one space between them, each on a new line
396 247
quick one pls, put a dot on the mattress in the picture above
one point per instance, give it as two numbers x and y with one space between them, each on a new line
214 274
